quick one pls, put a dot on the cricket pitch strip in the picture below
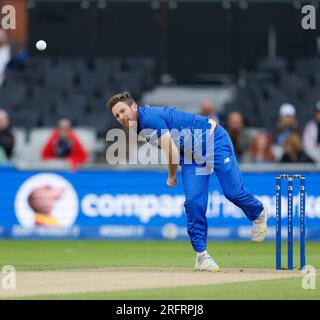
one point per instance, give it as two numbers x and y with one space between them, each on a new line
30 283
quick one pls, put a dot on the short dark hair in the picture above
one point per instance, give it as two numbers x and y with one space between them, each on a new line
120 97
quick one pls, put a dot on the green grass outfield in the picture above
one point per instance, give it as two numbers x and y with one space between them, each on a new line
26 255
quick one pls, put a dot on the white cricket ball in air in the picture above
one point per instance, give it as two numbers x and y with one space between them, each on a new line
41 45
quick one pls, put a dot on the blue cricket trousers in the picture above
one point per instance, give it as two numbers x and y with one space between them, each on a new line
196 190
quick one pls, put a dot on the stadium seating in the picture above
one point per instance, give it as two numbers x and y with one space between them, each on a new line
45 89
49 88
274 82
42 90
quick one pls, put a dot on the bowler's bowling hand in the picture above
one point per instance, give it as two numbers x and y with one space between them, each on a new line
171 181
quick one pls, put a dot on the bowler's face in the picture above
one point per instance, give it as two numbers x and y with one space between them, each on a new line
124 114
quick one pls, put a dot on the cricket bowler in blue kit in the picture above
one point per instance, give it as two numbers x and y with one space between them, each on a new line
200 146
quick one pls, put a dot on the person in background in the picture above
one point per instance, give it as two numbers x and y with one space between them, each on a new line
207 109
293 150
239 135
5 54
6 136
64 144
311 133
19 56
286 123
260 150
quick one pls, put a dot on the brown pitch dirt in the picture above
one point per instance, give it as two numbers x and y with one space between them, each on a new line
93 280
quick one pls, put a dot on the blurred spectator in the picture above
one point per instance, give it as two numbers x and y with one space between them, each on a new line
3 156
260 149
311 133
19 56
5 54
293 150
64 144
6 135
207 109
239 135
286 124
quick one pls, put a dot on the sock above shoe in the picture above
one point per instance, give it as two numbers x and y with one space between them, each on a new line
202 253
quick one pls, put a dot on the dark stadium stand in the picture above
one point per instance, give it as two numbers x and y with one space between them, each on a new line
42 90
274 82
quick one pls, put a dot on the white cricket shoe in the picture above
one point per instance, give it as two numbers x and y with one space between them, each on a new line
204 262
259 226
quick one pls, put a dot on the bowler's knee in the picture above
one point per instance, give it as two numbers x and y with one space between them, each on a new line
195 202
